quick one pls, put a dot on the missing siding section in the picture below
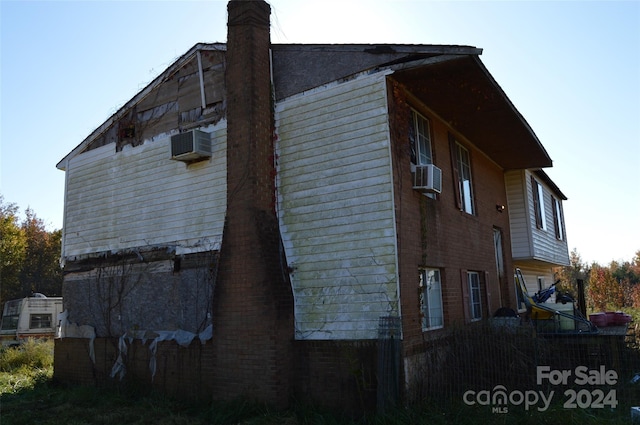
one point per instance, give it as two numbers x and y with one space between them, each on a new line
131 291
173 104
157 112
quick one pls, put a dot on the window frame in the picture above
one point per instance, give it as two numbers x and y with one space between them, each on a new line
541 282
475 306
10 322
427 303
558 222
40 319
420 129
538 204
465 199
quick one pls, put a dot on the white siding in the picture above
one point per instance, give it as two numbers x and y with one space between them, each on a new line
531 275
527 241
519 217
335 205
140 198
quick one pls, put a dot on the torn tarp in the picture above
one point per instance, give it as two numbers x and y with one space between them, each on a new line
67 329
182 337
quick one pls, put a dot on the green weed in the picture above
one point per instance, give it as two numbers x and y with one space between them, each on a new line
31 354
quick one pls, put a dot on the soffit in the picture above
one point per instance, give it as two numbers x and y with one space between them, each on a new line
463 93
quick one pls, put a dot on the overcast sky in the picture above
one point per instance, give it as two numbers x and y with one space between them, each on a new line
572 68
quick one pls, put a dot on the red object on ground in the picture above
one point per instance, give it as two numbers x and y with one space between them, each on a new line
599 319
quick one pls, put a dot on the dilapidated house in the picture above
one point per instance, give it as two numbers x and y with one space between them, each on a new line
258 217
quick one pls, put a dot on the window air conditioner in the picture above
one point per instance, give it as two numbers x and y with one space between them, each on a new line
191 146
428 179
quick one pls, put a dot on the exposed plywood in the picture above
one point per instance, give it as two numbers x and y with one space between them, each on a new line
139 197
336 208
189 88
164 93
170 104
214 85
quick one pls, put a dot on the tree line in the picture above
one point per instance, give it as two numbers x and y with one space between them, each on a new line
29 255
610 287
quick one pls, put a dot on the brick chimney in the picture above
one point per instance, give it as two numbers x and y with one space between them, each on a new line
253 303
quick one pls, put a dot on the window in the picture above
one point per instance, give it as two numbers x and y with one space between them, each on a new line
557 218
40 321
462 166
10 322
538 204
540 283
431 299
497 244
420 138
473 278
500 265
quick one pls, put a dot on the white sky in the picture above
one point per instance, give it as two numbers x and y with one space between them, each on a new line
572 68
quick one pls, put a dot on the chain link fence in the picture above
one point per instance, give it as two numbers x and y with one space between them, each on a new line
509 366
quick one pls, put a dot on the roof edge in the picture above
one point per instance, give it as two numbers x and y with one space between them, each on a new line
515 110
545 178
382 48
167 73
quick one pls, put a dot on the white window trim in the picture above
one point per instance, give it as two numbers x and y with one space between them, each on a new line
558 218
466 184
472 301
539 194
426 304
417 118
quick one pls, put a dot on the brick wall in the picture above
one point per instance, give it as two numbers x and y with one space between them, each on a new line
182 372
435 233
336 374
340 375
253 304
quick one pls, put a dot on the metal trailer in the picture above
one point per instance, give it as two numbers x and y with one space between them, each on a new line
30 317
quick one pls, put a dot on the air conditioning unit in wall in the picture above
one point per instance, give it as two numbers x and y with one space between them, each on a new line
427 179
191 146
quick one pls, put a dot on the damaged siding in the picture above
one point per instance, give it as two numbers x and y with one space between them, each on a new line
139 197
142 296
190 94
336 208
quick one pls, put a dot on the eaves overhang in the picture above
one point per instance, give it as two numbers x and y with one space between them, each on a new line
300 67
461 91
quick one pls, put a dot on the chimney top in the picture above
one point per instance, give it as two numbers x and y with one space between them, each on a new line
248 12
